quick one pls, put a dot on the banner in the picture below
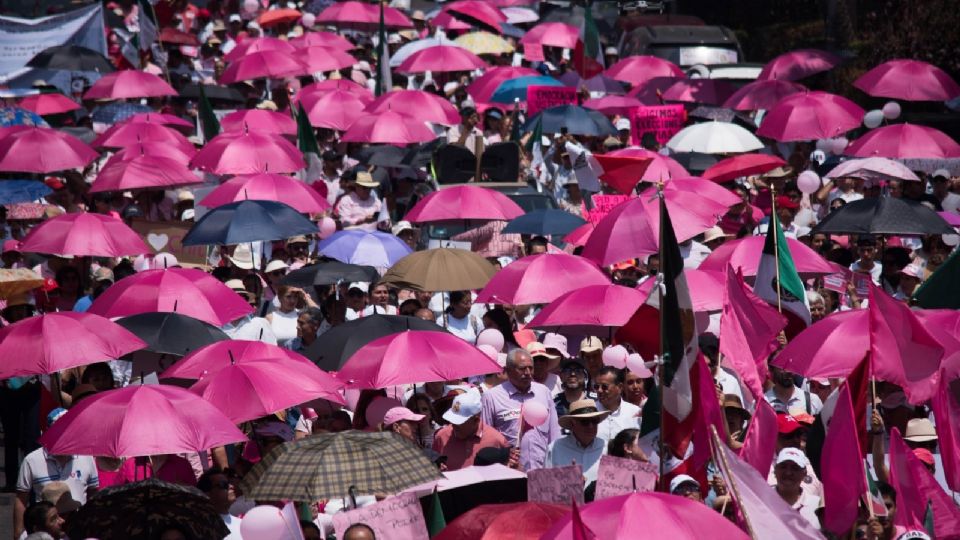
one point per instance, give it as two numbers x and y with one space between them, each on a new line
544 97
663 120
556 485
620 476
602 205
22 39
167 236
394 517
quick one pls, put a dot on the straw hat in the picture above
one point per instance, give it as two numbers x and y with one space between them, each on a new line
242 257
365 179
920 430
582 408
779 172
714 233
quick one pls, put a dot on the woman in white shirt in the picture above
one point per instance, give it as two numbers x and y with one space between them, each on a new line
457 318
283 320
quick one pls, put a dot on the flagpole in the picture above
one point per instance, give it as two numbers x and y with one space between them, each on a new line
776 241
733 485
661 450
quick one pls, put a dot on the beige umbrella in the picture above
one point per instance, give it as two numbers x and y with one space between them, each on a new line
14 281
441 269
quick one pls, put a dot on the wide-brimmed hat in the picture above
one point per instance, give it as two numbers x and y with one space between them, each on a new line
365 179
920 430
732 401
779 172
242 257
582 408
537 350
714 233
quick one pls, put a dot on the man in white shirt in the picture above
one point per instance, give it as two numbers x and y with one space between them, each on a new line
949 201
218 485
608 384
467 133
785 396
581 446
790 470
867 249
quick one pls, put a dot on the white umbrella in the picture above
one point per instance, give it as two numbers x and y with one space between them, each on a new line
402 53
520 15
714 138
873 168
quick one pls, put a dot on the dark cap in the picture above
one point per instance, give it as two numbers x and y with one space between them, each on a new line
866 240
466 112
493 112
330 155
492 456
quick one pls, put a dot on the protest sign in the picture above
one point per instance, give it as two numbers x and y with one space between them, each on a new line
664 121
837 282
395 517
602 205
862 283
557 485
544 97
167 236
619 476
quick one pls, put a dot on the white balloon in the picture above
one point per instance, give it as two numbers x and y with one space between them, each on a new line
824 144
873 118
250 6
839 145
891 110
308 19
951 239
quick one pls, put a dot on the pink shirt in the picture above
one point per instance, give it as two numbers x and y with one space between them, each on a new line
352 211
175 469
461 453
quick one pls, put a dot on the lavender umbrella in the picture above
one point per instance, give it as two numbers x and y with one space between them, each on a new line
376 249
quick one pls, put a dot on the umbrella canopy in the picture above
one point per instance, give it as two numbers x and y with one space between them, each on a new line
273 17
171 333
594 309
574 119
143 510
44 104
598 83
117 111
334 347
336 84
378 249
129 83
143 172
416 104
909 80
267 187
483 87
714 138
476 13
873 168
706 288
271 64
329 272
484 43
262 121
140 420
441 58
613 105
41 150
744 254
708 91
414 356
156 149
515 13
441 269
544 222
71 58
57 341
248 152
323 59
798 64
902 141
519 521
516 89
884 215
464 203
404 52
213 357
18 116
314 468
388 128
762 94
810 115
334 109
248 221
182 290
579 236
623 172
128 133
742 165
20 191
550 34
213 92
321 39
174 36
661 167
637 70
651 91
540 279
162 119
84 235
362 16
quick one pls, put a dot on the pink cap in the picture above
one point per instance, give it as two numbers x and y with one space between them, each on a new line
397 414
557 342
11 245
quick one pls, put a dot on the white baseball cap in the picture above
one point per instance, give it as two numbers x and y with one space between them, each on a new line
622 124
794 455
465 406
362 285
681 479
943 173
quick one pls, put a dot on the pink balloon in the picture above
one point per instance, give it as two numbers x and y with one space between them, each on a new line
534 413
250 6
636 365
839 145
308 19
615 356
263 523
891 110
327 227
488 350
492 337
808 182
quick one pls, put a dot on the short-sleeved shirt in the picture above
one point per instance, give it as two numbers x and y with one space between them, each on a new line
566 451
460 453
40 468
175 469
627 416
797 401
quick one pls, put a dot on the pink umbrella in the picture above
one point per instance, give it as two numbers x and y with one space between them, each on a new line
622 173
650 92
441 58
129 83
417 104
707 91
464 203
333 109
904 141
157 149
414 356
873 167
268 187
260 44
540 279
475 11
745 255
41 150
362 16
449 23
259 120
579 236
57 341
798 64
127 133
695 191
186 291
388 128
951 218
263 65
661 167
550 34
483 87
762 94
590 310
210 359
613 105
742 165
84 235
141 420
143 172
323 59
44 104
336 84
643 516
909 80
637 70
160 118
810 115
706 288
248 152
322 39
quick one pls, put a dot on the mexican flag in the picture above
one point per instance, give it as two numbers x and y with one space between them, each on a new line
941 289
384 78
209 125
792 296
588 55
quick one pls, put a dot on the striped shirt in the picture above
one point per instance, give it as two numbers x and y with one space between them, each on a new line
40 468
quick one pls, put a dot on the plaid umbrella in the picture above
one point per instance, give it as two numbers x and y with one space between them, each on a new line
328 465
143 510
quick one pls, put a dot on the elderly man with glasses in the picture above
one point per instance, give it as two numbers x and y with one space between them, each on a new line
581 446
608 385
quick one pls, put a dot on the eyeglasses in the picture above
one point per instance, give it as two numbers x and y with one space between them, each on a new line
602 386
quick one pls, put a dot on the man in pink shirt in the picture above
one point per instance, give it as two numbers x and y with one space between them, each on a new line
466 435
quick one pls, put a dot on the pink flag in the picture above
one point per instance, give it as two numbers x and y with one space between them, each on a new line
916 488
707 409
902 350
579 529
748 331
761 440
841 467
947 412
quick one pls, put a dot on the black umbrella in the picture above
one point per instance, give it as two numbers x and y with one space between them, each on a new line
71 58
213 92
884 215
329 272
332 349
544 222
573 119
172 333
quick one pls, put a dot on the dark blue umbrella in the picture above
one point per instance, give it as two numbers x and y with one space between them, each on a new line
545 222
20 191
248 221
574 119
111 113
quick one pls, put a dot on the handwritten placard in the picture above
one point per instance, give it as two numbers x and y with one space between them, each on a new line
396 517
602 205
664 121
558 485
167 236
544 97
619 476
